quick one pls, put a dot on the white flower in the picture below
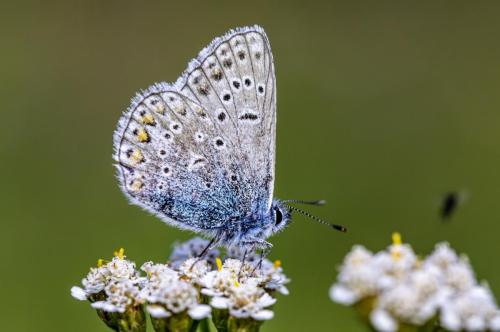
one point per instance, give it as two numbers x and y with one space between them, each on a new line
120 295
121 269
460 275
167 294
396 262
442 256
471 310
364 274
157 311
96 280
118 269
495 322
356 281
246 300
217 283
190 249
406 303
382 321
359 255
410 291
273 276
200 311
158 272
238 268
243 290
194 269
343 295
78 293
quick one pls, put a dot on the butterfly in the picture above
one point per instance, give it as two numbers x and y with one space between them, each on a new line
200 153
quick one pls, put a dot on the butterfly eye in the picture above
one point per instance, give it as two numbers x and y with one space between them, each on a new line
279 216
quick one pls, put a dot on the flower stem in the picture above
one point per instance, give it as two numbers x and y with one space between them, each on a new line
204 326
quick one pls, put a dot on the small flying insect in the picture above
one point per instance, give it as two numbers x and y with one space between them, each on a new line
450 203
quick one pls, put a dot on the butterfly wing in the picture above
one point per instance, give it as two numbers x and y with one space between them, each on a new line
200 152
234 78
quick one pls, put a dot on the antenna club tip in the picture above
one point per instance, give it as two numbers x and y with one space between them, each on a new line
321 202
340 228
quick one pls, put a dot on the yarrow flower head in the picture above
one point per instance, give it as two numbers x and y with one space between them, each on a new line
245 300
118 269
472 310
168 294
394 288
218 282
119 296
235 292
242 294
113 289
273 277
194 270
173 303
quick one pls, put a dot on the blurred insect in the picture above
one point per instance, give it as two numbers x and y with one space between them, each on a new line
450 203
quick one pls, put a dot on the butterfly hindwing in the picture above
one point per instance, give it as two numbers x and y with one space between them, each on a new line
200 153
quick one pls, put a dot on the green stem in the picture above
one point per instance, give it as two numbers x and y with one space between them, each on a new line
204 327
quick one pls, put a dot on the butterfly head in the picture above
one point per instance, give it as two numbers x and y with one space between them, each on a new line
280 216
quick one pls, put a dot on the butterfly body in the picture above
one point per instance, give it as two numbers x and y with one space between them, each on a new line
200 153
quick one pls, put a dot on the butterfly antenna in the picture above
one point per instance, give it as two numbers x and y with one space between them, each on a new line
321 221
299 201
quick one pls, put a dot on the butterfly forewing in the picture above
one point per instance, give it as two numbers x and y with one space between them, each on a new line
200 153
234 79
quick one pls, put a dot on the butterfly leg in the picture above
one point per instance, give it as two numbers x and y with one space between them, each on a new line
242 263
263 254
263 245
202 254
208 247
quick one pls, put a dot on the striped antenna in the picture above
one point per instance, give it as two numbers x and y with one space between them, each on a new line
321 221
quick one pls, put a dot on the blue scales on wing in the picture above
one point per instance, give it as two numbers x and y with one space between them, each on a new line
200 153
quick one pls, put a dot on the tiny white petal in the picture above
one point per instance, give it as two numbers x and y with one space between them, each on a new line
382 321
266 300
386 282
450 320
495 323
157 311
475 323
342 295
283 290
200 311
263 315
209 292
78 293
219 302
98 304
105 306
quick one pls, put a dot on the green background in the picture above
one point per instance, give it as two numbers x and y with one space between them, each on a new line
382 106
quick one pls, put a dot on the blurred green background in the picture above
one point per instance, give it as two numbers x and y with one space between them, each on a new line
382 106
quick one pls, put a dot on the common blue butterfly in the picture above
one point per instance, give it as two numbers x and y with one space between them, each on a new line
200 153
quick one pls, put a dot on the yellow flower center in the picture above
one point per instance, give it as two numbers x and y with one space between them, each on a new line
120 253
396 238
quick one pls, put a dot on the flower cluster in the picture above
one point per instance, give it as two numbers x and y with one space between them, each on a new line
397 290
236 294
